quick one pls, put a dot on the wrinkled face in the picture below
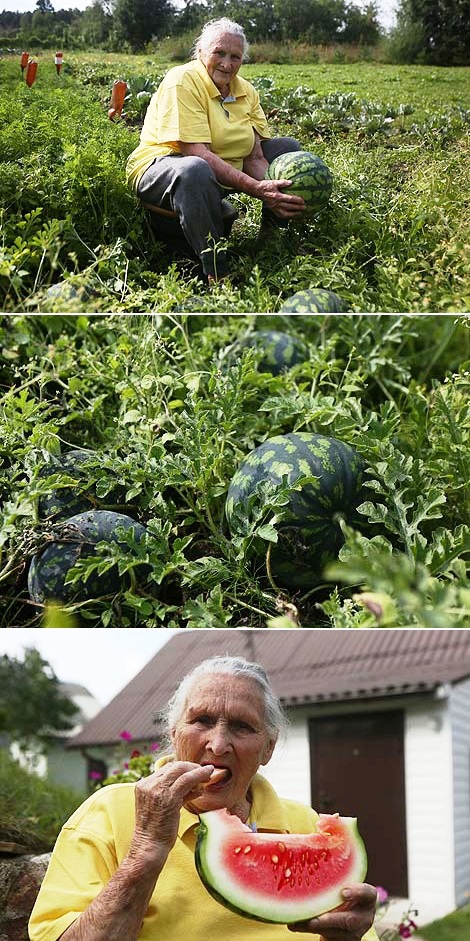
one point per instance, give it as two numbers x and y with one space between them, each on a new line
222 58
223 725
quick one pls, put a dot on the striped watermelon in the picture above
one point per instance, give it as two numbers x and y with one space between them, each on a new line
279 350
314 301
73 539
310 536
310 177
63 502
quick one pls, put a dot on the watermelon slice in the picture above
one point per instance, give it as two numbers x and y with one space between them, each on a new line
278 877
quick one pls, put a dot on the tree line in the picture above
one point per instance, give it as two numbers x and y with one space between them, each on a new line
426 31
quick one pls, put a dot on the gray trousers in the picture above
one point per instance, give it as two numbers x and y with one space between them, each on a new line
189 187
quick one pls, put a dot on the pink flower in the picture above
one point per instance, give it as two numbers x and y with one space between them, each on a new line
95 776
154 746
404 931
126 736
382 895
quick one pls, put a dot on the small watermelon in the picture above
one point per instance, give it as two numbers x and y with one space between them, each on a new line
314 301
73 539
279 350
310 535
311 178
63 502
278 877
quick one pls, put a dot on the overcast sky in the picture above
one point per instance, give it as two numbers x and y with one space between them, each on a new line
102 660
386 7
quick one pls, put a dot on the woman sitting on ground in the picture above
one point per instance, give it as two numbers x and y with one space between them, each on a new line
205 135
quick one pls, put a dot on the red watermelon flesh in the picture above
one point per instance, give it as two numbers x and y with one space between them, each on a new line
277 877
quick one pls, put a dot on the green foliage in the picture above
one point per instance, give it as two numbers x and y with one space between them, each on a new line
439 32
32 809
31 703
392 238
453 927
170 414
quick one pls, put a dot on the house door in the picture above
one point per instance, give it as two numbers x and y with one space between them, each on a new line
357 769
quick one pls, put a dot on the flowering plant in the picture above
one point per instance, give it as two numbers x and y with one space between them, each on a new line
407 925
138 765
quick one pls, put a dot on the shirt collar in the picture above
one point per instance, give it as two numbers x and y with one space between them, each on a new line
236 85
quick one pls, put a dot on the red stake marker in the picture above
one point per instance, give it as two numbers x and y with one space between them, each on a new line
118 94
58 61
31 70
24 60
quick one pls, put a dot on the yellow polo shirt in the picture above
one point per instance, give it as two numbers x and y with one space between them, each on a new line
95 840
188 107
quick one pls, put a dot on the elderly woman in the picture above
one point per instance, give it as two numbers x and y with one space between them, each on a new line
205 135
123 867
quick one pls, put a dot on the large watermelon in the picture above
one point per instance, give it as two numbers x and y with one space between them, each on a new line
73 539
279 350
310 535
314 301
310 177
278 877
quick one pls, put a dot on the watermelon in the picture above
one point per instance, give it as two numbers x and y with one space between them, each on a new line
314 301
280 350
278 877
310 177
73 539
63 502
309 535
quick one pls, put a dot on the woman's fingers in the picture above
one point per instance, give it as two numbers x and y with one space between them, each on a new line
283 203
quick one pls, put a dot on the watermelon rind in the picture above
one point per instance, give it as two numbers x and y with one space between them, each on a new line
309 534
314 301
74 539
258 874
310 176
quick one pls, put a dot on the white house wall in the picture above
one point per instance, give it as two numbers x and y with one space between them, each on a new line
460 713
289 768
429 808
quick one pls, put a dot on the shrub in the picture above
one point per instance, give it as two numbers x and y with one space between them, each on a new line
32 809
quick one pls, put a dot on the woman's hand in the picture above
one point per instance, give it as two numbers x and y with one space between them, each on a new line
158 801
281 203
350 921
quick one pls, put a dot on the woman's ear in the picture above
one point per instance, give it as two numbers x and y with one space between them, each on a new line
270 746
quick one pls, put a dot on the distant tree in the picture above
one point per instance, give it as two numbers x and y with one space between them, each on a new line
94 25
31 703
44 6
362 24
138 21
440 31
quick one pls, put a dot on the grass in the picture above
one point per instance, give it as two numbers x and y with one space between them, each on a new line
454 927
32 809
394 237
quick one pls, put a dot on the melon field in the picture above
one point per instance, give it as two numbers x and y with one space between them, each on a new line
235 471
393 237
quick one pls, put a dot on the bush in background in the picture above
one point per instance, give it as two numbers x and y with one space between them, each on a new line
32 809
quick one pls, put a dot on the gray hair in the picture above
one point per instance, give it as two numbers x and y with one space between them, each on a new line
214 28
274 717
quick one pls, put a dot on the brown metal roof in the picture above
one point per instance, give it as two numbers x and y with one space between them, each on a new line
305 666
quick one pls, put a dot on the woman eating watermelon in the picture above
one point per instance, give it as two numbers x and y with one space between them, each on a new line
123 868
205 135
